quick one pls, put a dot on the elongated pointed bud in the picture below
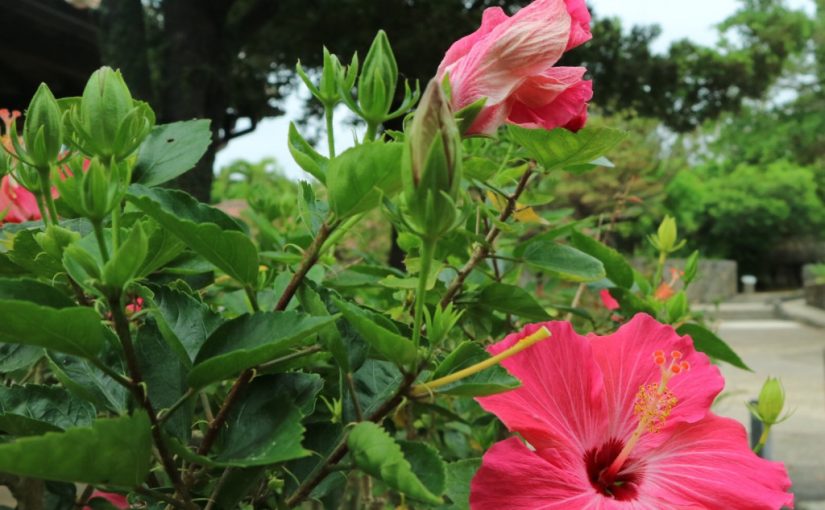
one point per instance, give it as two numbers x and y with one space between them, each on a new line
771 402
379 76
42 130
432 165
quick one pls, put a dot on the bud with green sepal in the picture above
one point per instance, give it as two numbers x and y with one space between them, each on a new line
666 241
376 87
431 167
42 131
768 409
327 90
92 192
55 240
108 122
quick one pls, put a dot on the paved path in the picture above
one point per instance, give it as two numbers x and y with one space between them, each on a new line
796 354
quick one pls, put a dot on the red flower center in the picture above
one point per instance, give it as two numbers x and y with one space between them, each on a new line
624 485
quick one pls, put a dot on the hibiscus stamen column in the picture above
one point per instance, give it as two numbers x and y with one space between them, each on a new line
653 405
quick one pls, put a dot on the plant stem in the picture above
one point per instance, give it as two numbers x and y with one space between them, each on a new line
328 113
325 468
116 228
310 258
139 391
41 205
46 193
97 226
427 254
166 413
482 250
763 439
372 130
253 298
660 268
213 498
145 491
359 415
216 425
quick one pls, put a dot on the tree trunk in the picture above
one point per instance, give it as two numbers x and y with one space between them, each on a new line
194 65
123 44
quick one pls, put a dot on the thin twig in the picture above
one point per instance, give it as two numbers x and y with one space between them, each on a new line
359 415
213 498
482 250
150 493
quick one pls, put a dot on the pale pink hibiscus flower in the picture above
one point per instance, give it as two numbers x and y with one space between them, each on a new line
619 422
509 61
17 204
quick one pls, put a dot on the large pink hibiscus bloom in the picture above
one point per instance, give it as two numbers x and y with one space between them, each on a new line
509 61
619 422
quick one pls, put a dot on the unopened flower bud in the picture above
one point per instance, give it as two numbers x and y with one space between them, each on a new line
376 86
432 165
42 129
89 190
665 240
771 402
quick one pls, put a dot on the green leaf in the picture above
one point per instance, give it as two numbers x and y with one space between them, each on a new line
510 299
487 382
251 340
186 318
706 341
330 337
26 289
427 464
206 230
88 382
307 157
73 330
127 260
75 455
459 477
481 169
359 177
33 410
615 265
14 357
170 150
377 454
563 149
375 382
27 254
563 261
164 247
263 429
388 344
165 376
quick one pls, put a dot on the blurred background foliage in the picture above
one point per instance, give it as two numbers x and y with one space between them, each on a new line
727 139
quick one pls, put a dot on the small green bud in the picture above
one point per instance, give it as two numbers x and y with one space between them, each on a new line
665 240
327 91
376 86
432 166
771 402
92 191
55 240
108 122
42 129
691 267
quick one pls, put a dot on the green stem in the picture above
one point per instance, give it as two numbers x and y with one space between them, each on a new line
339 232
116 228
41 205
253 298
328 113
46 193
660 268
427 254
372 131
97 225
763 439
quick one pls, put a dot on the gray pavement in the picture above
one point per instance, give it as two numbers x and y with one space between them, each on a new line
795 353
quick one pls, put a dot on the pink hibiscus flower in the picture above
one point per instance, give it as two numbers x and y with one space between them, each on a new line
509 61
608 301
117 500
615 423
17 204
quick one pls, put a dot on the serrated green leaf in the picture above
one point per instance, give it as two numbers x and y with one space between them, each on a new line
427 464
389 344
487 382
563 261
615 265
73 330
250 340
171 150
88 382
706 341
186 318
264 428
459 476
33 410
377 454
511 299
360 176
206 230
75 455
26 289
563 149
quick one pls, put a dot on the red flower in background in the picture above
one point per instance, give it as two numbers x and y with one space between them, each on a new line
509 61
117 500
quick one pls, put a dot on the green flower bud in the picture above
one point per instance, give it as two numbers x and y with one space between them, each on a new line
55 240
432 166
327 91
42 129
665 240
376 86
108 123
771 402
92 192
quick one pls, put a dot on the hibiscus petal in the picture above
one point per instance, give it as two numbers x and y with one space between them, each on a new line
708 465
491 18
514 477
580 31
556 98
561 398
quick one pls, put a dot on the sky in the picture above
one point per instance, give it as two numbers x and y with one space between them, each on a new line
693 19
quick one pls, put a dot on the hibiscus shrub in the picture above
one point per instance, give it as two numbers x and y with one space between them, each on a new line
162 353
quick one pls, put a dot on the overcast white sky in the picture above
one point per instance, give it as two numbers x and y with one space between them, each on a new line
693 19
